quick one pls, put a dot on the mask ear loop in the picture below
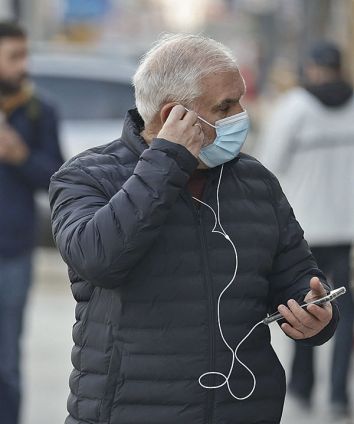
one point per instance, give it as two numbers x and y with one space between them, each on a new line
234 352
202 119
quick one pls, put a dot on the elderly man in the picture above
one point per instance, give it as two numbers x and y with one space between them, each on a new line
178 246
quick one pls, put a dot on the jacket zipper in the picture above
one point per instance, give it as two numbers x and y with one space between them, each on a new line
211 317
211 304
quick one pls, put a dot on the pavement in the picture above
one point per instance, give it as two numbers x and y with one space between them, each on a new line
47 347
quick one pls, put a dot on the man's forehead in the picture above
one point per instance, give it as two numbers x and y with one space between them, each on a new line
223 88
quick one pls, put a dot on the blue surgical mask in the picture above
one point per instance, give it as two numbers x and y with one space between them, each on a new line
231 133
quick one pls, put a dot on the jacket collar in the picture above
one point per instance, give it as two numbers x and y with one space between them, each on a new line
131 134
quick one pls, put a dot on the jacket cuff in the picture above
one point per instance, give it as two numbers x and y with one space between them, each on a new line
184 158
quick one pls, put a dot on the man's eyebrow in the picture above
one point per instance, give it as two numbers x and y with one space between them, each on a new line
226 102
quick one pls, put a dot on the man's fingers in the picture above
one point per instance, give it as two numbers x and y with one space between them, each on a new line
317 287
292 332
5 140
317 290
4 149
303 323
176 114
199 128
321 313
180 127
179 113
302 316
298 318
289 316
190 118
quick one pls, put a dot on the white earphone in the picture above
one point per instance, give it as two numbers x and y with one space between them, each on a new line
234 352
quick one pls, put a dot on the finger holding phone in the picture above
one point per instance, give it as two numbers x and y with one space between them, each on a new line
304 323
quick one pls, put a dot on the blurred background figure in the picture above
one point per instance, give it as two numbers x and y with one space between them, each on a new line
308 142
29 155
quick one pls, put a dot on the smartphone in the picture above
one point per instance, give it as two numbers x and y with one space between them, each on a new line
328 298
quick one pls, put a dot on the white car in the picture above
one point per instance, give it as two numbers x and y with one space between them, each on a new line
92 95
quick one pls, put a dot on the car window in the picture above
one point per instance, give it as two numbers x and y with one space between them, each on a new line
86 98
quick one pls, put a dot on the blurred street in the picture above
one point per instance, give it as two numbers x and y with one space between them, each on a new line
47 348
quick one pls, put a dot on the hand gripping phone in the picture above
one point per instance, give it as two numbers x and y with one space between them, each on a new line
328 298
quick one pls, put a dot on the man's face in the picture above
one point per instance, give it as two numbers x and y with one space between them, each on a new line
221 97
13 64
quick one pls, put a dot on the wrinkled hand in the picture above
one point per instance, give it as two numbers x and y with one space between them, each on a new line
301 323
181 127
12 148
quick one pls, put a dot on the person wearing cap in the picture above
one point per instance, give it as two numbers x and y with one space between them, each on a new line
308 142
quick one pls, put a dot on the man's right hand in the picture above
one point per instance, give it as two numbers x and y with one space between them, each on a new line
182 127
13 150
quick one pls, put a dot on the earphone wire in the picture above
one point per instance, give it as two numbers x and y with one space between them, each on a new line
234 352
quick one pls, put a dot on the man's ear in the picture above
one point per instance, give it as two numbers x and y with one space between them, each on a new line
166 110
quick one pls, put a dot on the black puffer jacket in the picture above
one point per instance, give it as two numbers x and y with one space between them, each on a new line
146 272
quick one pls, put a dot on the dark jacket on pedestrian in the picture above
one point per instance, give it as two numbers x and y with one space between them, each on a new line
36 122
146 272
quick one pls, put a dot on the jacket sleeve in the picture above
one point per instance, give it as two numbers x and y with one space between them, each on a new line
102 239
294 265
46 159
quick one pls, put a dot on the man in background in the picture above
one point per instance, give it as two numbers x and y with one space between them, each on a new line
29 155
308 143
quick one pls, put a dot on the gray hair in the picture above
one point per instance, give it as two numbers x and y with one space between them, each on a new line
172 70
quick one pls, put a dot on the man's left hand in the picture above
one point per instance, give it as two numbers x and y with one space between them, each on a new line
13 150
304 323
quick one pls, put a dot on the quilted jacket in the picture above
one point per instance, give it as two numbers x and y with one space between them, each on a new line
146 272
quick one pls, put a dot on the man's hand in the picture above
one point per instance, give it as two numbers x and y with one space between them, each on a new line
12 148
301 323
181 127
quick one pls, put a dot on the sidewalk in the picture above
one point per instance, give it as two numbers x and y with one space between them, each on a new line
47 349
